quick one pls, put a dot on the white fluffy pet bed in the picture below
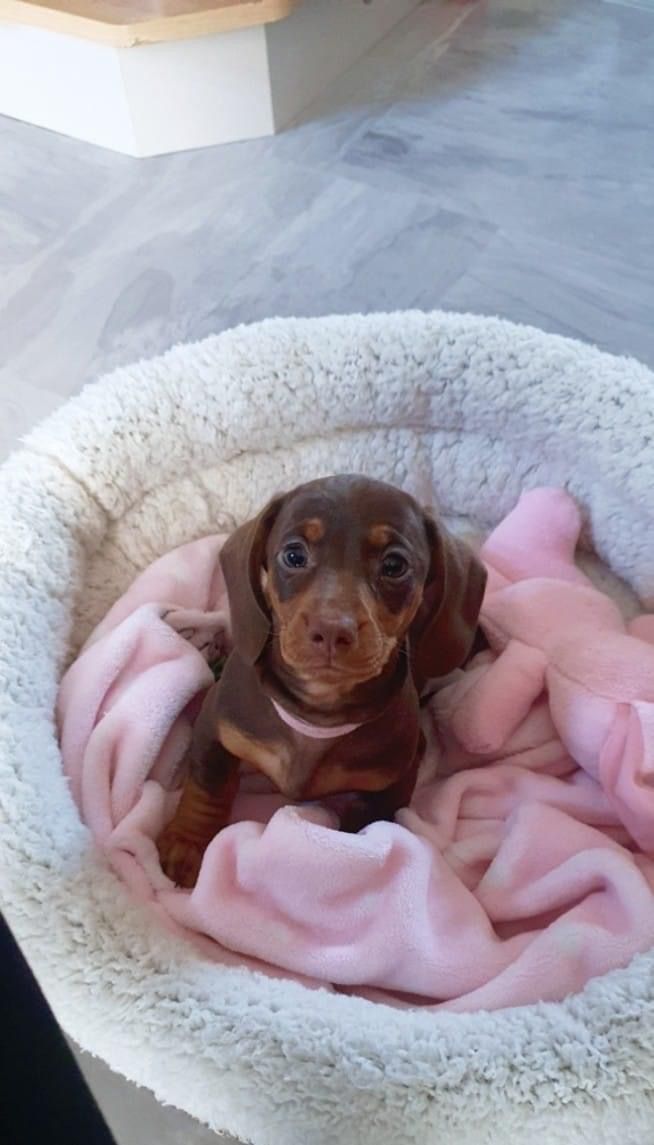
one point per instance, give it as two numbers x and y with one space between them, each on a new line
170 449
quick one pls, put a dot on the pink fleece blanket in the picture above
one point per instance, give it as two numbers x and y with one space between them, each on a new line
521 868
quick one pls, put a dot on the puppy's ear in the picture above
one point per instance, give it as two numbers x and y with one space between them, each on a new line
443 632
243 559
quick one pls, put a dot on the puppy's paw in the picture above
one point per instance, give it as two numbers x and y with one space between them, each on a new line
180 857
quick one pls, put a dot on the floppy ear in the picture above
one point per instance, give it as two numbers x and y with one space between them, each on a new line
242 558
443 632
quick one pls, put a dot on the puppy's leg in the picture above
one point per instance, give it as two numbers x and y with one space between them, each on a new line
203 810
370 807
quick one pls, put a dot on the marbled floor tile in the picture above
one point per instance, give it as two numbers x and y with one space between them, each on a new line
46 182
599 299
539 120
356 250
144 267
135 1116
161 263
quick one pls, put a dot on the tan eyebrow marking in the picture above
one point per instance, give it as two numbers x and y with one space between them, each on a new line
380 535
313 529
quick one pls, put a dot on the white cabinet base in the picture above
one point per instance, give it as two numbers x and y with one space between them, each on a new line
151 99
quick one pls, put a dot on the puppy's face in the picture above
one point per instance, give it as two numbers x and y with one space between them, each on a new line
346 564
337 572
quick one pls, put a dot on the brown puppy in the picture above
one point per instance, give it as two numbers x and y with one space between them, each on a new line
345 599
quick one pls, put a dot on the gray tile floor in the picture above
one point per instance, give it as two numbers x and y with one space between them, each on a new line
497 158
136 1118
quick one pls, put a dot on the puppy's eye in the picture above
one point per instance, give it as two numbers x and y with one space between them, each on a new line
394 566
294 556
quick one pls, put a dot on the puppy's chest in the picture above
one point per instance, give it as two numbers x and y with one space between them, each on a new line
367 759
293 766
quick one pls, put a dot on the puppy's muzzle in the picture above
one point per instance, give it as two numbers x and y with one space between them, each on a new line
330 635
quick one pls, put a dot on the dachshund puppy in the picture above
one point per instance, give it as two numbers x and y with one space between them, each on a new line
345 599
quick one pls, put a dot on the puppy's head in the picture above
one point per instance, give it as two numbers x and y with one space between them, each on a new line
342 572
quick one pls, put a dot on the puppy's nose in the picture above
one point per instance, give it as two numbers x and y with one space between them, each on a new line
332 634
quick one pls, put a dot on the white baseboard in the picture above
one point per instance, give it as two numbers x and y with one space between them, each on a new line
151 99
146 100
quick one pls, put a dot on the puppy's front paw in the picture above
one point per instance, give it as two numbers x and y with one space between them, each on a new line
180 856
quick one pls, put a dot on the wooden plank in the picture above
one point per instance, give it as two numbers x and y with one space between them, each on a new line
125 23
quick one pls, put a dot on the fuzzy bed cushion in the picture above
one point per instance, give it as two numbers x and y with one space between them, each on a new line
188 445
